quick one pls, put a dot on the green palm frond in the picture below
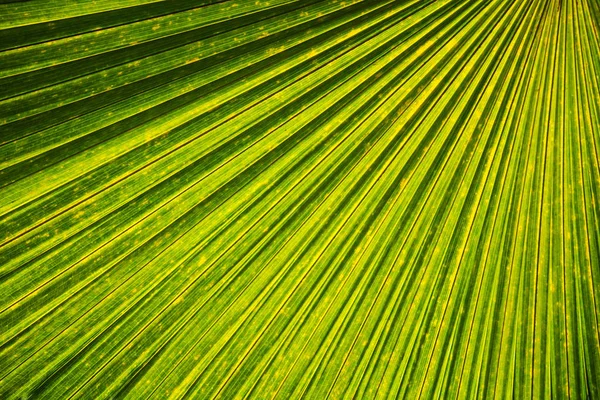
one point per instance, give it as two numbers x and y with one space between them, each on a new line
300 199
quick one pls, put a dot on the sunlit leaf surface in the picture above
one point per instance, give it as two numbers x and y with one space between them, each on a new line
300 199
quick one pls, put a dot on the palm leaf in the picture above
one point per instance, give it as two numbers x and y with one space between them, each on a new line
299 199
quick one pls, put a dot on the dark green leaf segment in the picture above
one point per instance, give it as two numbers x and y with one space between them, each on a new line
300 199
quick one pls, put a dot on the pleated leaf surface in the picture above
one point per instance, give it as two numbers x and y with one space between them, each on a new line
300 199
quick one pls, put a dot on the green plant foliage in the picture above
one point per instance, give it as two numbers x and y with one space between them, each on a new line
300 199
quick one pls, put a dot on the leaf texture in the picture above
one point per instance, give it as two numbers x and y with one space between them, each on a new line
300 199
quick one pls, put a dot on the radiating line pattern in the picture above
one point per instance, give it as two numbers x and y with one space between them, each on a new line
300 199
